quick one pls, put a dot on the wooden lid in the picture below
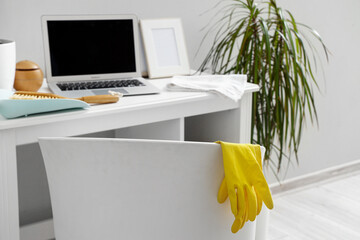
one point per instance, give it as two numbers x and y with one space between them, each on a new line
26 65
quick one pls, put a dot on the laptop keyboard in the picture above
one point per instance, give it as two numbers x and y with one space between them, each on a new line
71 86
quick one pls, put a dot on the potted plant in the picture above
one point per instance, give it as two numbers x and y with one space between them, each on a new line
265 42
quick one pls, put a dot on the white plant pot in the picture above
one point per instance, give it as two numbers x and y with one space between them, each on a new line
7 64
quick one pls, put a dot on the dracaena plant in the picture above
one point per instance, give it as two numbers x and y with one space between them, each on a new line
266 43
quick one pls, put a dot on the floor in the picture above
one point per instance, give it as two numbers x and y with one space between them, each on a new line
325 211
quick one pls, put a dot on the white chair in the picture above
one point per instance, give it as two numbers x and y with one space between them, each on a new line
137 189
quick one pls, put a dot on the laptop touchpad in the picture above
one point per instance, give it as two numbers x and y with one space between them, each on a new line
105 92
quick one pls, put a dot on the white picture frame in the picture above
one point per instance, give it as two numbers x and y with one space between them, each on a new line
165 48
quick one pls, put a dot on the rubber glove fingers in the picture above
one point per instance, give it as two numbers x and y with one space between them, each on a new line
263 191
251 202
258 201
238 224
233 200
223 192
241 204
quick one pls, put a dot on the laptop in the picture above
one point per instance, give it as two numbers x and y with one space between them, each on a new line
92 54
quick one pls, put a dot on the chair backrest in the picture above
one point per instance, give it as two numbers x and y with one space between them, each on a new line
137 189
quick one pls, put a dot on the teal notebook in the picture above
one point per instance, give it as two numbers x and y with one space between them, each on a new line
11 108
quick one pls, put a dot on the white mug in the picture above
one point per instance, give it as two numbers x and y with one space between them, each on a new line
7 64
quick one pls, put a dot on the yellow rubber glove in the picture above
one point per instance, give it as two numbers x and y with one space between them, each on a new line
244 182
223 193
239 220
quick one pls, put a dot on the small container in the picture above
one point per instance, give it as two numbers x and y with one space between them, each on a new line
28 76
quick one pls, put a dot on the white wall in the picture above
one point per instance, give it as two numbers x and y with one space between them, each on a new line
334 143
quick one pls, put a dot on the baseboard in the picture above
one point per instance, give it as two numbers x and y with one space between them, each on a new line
328 174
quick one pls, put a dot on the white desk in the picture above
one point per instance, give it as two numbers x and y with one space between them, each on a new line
169 115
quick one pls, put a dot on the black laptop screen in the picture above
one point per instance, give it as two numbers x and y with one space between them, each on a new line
85 47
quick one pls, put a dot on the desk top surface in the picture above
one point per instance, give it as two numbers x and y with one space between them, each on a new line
125 104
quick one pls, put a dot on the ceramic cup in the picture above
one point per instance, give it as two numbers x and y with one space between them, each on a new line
7 64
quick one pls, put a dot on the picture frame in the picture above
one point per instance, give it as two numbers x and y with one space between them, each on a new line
165 48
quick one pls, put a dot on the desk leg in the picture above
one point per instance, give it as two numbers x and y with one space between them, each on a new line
9 204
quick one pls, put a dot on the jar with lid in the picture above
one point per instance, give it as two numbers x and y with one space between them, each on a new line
28 76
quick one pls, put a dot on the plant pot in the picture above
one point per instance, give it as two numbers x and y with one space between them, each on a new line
7 64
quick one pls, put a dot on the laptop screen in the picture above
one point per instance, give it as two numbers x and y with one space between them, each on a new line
88 47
